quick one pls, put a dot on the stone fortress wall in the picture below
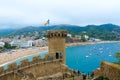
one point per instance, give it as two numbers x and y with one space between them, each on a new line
33 70
109 70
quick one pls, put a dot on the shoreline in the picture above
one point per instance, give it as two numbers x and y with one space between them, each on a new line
87 43
78 44
31 51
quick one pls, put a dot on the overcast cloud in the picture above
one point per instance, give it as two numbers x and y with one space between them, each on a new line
75 12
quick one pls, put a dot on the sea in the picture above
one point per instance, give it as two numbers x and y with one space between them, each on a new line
85 58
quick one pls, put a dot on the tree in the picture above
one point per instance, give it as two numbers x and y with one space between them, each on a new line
7 45
117 56
83 38
1 48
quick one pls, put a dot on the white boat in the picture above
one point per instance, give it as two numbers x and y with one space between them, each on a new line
86 56
100 49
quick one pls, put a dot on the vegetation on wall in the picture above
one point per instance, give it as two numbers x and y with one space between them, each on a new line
117 56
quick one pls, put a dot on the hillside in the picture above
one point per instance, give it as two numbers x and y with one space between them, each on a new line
105 31
4 32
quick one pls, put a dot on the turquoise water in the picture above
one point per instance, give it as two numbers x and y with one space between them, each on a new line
88 57
85 58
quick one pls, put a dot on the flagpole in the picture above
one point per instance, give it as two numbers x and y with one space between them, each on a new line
48 22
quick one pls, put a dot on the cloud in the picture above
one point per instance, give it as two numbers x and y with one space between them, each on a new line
78 12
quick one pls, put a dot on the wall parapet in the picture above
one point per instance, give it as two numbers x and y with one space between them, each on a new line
109 70
26 63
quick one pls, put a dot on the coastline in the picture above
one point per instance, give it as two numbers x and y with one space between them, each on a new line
79 44
8 58
87 43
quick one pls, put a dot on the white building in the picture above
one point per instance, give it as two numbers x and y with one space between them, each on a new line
2 44
86 37
22 44
78 36
40 42
95 39
43 38
69 35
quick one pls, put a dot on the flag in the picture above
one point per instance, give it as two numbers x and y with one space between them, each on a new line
47 22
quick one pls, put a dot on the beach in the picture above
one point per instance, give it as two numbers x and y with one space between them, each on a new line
79 43
19 53
86 43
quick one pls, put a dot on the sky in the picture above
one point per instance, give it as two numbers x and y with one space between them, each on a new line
20 13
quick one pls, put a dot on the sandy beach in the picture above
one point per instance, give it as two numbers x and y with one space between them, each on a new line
79 43
12 55
86 43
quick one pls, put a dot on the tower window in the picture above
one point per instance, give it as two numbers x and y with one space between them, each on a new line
59 34
57 55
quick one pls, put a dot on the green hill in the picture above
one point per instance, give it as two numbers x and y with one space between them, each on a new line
4 32
105 31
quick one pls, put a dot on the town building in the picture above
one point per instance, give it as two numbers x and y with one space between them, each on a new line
40 42
86 37
77 36
22 44
95 40
2 44
69 35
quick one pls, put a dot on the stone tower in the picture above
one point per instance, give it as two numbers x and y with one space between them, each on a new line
56 44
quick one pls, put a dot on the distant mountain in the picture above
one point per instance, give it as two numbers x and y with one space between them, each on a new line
4 32
105 31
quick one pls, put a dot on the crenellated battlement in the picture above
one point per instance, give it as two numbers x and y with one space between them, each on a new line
2 70
12 66
56 33
26 64
37 59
